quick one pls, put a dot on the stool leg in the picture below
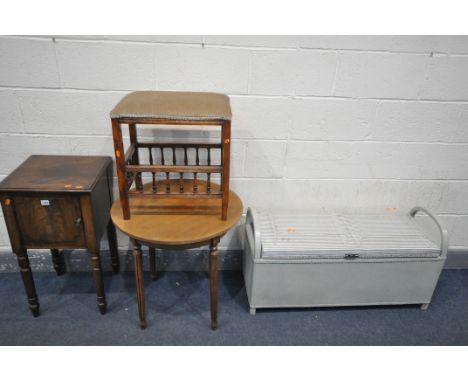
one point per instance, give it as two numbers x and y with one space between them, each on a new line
135 156
138 266
214 252
98 282
28 281
152 257
114 252
120 165
58 262
226 149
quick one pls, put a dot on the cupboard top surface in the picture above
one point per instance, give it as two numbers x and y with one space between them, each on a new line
56 173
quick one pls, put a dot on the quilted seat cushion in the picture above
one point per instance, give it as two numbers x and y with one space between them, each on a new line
335 236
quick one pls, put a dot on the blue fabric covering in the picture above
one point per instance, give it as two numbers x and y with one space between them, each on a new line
178 313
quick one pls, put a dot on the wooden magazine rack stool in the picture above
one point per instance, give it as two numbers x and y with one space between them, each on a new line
171 108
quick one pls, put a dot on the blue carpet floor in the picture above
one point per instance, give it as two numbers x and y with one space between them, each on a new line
178 314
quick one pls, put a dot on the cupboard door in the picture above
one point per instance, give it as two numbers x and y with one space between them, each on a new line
50 221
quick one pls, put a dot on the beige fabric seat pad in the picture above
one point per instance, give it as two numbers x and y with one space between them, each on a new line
173 105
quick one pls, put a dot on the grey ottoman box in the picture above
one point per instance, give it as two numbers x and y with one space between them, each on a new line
312 260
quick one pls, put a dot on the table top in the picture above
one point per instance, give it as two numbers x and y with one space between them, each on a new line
170 221
56 173
173 105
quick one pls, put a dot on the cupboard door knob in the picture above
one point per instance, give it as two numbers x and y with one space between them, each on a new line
78 222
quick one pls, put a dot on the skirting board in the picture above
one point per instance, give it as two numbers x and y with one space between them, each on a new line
457 258
168 260
186 260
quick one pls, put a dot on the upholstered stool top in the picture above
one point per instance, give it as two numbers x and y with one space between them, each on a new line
173 105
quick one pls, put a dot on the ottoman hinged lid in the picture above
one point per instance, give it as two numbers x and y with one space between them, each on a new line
323 236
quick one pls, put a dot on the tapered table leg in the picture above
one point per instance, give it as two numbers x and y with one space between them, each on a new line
28 281
214 252
152 257
97 275
58 262
138 266
114 252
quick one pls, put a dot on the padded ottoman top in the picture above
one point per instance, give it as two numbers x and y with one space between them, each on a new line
334 236
173 105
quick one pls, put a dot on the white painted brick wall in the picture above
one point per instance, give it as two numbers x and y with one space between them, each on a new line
349 195
261 117
316 73
80 112
10 114
104 66
273 72
447 78
369 160
380 75
350 123
202 69
254 41
398 44
366 43
28 62
265 159
420 122
329 119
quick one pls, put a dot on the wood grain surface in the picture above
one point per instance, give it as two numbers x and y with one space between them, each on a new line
175 221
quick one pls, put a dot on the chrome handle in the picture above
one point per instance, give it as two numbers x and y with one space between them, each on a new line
78 221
